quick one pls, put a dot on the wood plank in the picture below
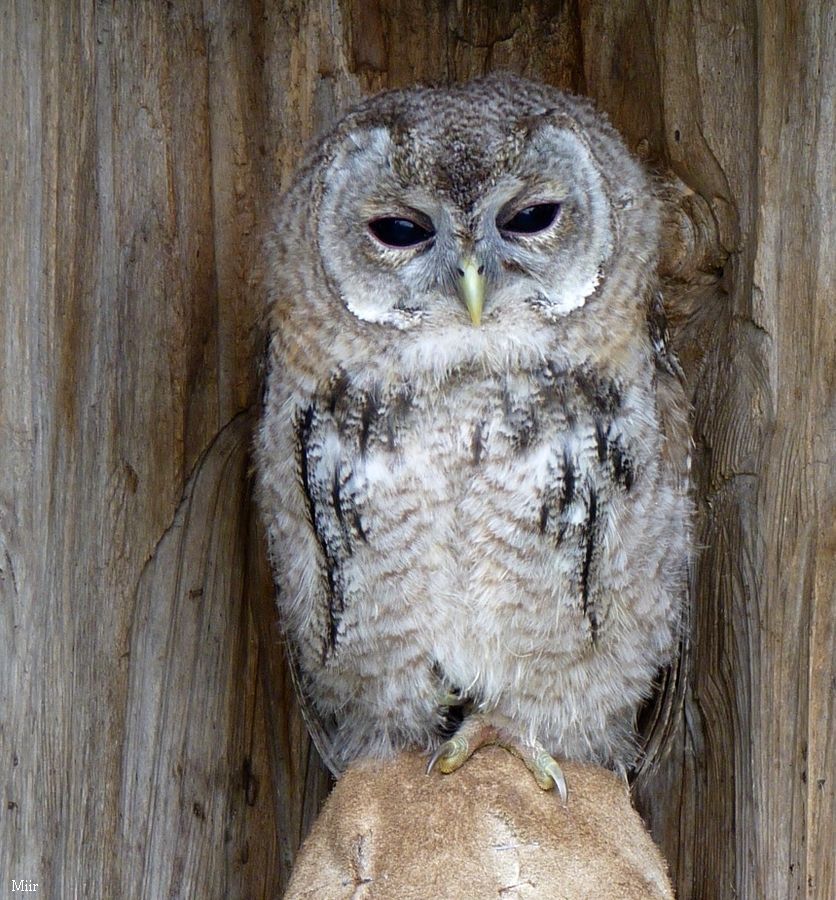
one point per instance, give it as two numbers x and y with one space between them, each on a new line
116 382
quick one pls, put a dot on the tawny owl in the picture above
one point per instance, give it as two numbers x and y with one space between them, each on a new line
471 462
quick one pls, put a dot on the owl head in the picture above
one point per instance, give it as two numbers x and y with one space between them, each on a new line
474 223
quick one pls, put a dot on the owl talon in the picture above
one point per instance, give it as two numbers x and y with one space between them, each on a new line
554 776
473 733
450 698
450 755
476 732
542 765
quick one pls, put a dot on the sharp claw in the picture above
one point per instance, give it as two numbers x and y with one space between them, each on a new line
453 752
436 756
553 770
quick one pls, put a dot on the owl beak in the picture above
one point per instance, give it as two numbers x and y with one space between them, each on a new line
471 286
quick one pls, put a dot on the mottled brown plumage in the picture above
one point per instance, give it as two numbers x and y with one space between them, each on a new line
487 520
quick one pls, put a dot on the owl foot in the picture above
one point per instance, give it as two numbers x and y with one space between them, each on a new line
476 732
450 698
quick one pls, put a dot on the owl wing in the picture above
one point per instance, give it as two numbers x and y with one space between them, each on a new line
670 392
322 730
324 479
659 717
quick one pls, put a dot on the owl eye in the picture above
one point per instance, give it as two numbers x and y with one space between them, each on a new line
532 219
397 232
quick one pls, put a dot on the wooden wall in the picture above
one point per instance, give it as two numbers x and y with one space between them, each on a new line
149 746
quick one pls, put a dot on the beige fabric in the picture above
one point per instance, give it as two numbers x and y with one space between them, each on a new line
390 832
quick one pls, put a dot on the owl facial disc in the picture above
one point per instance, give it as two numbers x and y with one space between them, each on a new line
454 231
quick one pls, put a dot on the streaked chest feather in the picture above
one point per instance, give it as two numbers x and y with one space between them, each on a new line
534 468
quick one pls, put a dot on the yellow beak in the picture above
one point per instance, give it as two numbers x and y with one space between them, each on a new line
471 287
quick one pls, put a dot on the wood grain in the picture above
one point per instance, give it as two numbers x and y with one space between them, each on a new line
149 740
